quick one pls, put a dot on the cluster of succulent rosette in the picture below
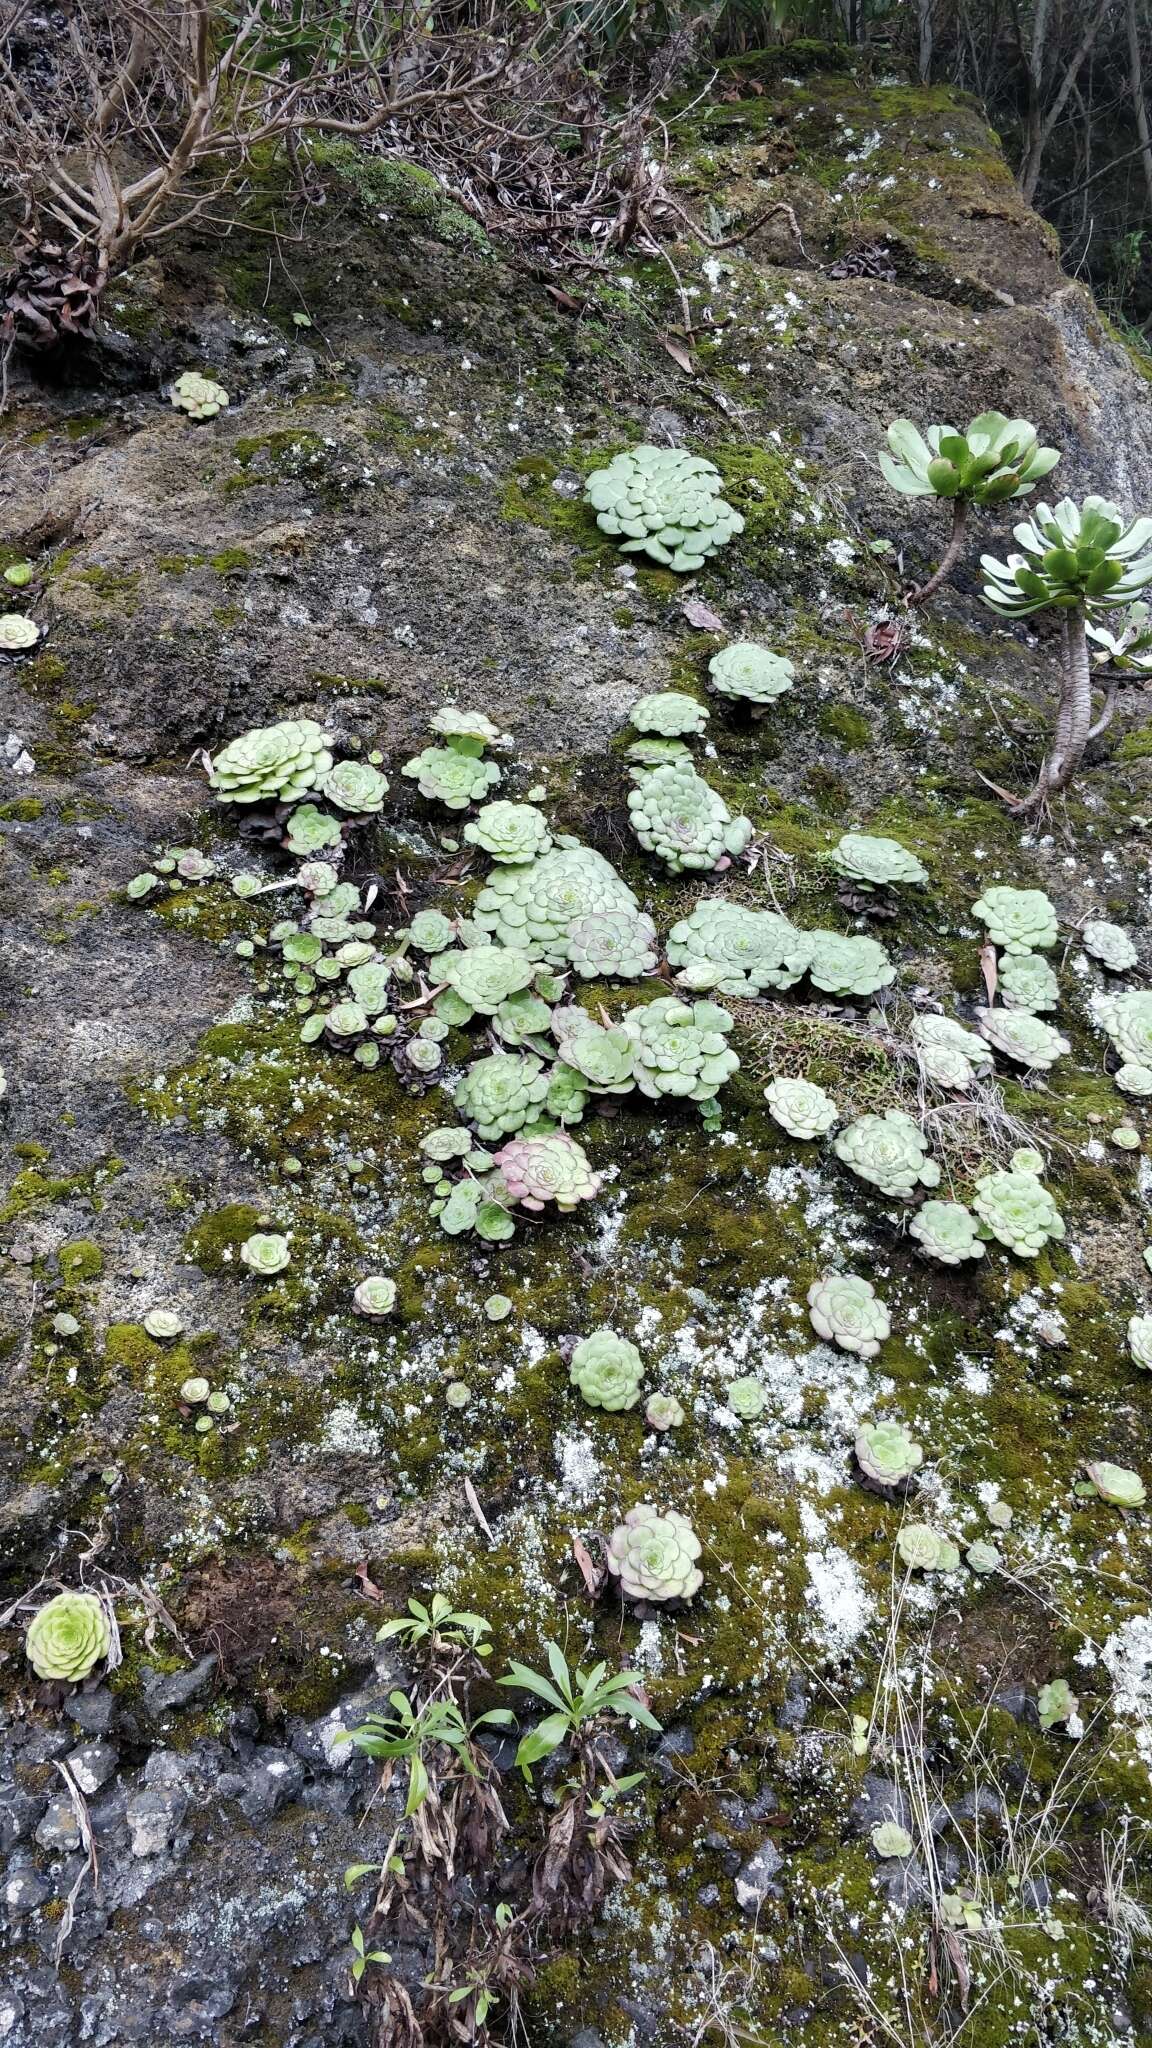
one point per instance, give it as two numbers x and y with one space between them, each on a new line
736 950
455 772
197 395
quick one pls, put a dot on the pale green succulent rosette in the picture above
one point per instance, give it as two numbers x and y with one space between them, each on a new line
947 1232
273 763
1140 1341
889 1151
1026 982
751 673
449 776
355 786
1056 1702
1019 920
950 1055
681 1048
1022 1037
618 945
1134 1080
551 1168
484 976
845 1310
311 830
669 713
874 862
1127 1019
654 1555
844 965
18 634
199 396
801 1108
886 1453
266 1253
604 1056
509 832
735 950
665 503
1110 944
746 1397
67 1637
467 731
374 1296
535 905
502 1093
1087 556
1116 1484
683 820
924 1549
1017 1211
608 1370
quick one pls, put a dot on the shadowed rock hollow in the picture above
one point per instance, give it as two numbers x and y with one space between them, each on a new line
389 516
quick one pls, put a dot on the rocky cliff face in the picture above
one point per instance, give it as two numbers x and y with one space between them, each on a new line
390 516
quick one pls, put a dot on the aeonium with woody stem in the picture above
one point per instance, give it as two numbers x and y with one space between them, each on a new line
995 458
1080 560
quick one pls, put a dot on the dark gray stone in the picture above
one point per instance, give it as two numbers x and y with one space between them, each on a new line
25 1888
59 1830
165 1690
153 1817
755 1881
880 1799
92 1764
795 1706
19 1813
91 1711
274 1778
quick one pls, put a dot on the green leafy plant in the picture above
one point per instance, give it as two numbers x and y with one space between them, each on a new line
681 1048
509 832
438 1627
534 906
653 1553
845 965
886 1453
872 862
801 1108
278 763
551 1168
578 1699
1026 982
501 1093
618 944
1110 944
1017 1211
1019 920
669 713
889 1151
1022 1037
948 1232
448 776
